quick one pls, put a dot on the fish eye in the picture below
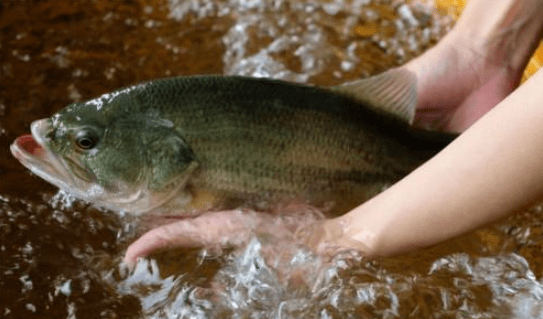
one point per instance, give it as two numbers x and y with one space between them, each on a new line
85 140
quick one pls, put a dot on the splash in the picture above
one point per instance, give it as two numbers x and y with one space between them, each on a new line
60 257
301 41
277 278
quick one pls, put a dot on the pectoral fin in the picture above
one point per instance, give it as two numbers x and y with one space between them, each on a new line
394 92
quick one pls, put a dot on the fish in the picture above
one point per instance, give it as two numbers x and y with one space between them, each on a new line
194 143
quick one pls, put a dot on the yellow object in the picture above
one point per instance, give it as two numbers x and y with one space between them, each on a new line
454 9
451 7
534 64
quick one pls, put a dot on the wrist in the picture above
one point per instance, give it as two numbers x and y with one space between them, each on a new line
504 33
350 231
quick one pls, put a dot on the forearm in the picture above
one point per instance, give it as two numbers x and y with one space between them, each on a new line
491 170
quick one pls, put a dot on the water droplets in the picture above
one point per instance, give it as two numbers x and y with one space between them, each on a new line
30 307
26 283
65 288
307 41
407 16
21 56
62 200
106 98
73 93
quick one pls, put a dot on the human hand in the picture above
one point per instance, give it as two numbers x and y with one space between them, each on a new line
225 228
478 63
222 229
458 81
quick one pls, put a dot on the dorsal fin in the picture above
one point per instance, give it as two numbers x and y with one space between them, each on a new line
394 91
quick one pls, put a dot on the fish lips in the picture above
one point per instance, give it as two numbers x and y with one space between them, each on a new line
32 152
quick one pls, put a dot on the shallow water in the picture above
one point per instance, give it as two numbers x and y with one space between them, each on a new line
59 258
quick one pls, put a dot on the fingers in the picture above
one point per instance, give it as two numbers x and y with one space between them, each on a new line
172 235
228 228
218 228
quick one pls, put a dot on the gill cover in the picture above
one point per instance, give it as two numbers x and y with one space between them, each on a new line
170 159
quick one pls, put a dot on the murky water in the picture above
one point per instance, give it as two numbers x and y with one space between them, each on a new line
59 258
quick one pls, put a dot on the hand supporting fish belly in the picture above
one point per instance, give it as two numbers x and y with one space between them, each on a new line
225 229
154 146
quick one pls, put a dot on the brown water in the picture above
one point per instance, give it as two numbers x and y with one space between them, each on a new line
59 258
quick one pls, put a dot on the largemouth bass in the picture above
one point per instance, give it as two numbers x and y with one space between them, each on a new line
158 145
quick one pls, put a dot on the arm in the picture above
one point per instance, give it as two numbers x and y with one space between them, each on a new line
493 169
485 174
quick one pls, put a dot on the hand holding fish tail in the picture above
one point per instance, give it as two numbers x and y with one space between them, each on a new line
491 170
478 63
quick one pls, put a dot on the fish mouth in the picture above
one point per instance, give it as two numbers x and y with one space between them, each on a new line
32 152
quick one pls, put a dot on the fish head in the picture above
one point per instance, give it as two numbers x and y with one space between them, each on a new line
112 157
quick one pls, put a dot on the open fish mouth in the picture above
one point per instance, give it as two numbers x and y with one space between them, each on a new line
31 151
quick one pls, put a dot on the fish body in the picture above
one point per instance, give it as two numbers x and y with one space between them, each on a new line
238 138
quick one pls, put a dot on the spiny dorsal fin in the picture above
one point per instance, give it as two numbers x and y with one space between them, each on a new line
394 91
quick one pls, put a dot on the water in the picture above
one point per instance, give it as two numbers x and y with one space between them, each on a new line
60 258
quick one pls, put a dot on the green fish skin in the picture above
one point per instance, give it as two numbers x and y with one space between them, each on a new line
156 146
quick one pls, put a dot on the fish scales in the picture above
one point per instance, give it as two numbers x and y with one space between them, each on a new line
136 148
267 135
